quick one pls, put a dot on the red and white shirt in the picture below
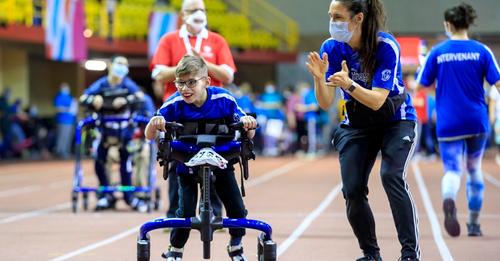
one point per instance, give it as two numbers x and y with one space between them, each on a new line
211 46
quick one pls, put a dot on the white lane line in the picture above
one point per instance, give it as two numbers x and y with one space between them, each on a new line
33 213
33 188
17 191
273 174
492 180
261 179
309 219
431 214
98 244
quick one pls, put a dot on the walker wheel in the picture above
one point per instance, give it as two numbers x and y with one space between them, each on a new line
74 201
157 198
85 201
143 249
266 250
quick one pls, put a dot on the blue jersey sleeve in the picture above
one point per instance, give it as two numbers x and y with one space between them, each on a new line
94 88
491 67
428 71
328 47
387 64
237 111
131 85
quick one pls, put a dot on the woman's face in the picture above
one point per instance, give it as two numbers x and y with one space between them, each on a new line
338 12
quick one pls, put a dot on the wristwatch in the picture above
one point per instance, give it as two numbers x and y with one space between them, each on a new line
351 88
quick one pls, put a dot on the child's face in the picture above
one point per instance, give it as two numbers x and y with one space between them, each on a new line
192 88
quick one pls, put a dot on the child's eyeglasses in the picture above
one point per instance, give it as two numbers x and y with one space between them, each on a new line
190 84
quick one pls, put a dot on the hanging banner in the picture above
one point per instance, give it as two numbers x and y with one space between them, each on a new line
64 40
160 23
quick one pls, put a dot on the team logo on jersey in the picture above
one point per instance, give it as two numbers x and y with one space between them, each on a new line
236 117
386 75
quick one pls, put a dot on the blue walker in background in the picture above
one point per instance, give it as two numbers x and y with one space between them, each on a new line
210 152
151 192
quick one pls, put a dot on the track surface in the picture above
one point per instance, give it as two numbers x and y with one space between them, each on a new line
300 198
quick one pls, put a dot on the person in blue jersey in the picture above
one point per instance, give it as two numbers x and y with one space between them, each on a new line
364 62
197 101
112 96
459 67
67 108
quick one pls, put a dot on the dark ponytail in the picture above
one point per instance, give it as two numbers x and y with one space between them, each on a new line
374 21
460 16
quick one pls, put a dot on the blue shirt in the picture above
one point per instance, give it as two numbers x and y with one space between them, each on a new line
387 74
100 85
246 104
220 104
63 104
271 98
460 68
310 99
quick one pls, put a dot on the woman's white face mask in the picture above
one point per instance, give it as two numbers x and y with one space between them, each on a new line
339 31
447 30
197 20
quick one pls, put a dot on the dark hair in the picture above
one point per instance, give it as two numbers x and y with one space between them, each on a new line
191 64
460 16
374 21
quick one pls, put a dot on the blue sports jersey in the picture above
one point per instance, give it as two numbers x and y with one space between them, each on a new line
63 103
460 67
102 84
310 99
387 74
220 104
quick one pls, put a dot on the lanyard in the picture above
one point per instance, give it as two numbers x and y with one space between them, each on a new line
197 46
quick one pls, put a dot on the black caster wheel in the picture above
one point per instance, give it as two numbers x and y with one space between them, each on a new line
74 201
157 198
266 250
85 201
143 249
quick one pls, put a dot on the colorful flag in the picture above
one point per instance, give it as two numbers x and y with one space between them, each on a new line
160 23
64 40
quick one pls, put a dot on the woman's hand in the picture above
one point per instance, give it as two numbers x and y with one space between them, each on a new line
316 65
341 78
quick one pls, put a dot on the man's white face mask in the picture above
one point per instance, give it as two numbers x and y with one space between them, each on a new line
197 20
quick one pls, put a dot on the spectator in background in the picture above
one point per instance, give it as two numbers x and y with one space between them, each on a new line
243 96
295 119
270 104
67 109
5 124
310 108
111 11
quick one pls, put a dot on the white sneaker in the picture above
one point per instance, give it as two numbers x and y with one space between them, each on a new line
105 202
139 205
236 253
173 254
